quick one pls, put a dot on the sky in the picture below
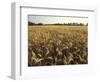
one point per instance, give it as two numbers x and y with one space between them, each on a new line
56 19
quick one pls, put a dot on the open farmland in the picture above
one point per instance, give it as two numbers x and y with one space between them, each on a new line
57 45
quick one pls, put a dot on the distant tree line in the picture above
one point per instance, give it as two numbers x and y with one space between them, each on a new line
30 23
69 24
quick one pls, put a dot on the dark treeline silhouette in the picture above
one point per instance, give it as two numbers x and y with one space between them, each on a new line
30 23
69 24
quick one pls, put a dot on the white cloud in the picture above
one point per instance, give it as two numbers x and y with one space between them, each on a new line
55 19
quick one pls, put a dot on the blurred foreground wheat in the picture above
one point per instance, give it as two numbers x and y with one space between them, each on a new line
57 45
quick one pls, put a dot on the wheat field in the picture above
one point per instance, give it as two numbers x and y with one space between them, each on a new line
57 45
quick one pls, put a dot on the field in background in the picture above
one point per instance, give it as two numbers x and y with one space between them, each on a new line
57 45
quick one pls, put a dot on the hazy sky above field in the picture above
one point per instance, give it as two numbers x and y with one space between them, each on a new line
55 19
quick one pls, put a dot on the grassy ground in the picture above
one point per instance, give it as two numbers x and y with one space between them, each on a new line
57 45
